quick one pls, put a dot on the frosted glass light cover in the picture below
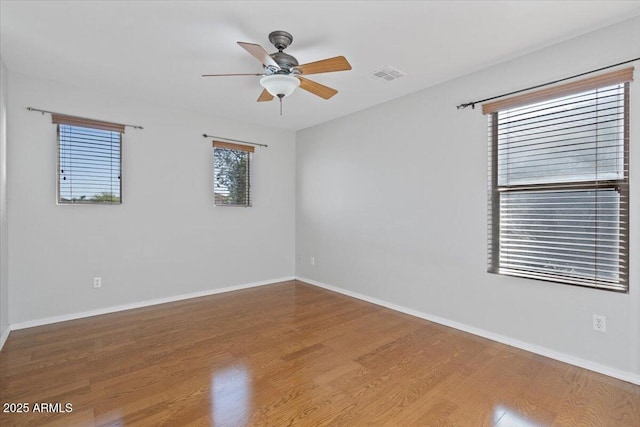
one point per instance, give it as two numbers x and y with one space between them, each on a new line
280 84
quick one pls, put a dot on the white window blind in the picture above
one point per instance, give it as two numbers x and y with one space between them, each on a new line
232 174
559 190
89 161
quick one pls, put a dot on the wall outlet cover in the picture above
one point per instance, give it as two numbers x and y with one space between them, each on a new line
599 323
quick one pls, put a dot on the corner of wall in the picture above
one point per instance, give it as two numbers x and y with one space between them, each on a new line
4 277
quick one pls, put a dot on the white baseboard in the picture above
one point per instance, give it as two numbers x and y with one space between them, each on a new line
4 336
543 351
114 309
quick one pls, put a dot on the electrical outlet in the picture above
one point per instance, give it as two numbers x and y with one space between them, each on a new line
312 260
599 323
97 282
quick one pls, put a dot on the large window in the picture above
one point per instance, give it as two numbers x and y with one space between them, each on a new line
232 174
89 160
558 184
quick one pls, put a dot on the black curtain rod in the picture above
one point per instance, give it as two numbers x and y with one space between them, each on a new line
472 104
234 140
86 118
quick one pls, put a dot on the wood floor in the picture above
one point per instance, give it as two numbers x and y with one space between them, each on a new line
292 354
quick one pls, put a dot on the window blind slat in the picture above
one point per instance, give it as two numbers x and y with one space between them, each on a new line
560 100
561 118
572 280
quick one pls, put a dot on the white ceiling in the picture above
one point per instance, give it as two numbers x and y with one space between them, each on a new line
157 50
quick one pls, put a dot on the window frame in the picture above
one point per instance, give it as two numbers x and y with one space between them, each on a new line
77 122
248 151
621 185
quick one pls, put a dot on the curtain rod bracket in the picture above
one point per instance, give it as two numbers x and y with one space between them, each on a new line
465 105
33 109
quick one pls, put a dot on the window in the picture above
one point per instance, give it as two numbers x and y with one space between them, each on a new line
558 183
231 174
89 160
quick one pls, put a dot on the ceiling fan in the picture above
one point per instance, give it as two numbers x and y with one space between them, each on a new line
282 73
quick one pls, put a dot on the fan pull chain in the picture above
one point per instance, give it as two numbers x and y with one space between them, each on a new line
280 97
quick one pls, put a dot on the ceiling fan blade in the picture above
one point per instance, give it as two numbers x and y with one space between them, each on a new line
227 75
338 63
265 96
316 88
259 53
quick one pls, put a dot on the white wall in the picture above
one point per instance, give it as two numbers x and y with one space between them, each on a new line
167 238
4 254
391 202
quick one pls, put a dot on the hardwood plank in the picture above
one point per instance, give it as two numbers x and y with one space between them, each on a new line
291 353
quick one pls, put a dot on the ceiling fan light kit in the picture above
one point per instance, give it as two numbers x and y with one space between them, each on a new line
280 85
282 73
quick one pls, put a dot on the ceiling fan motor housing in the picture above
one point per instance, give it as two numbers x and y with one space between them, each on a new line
285 61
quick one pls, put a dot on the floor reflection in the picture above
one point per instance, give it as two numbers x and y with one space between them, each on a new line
231 396
504 416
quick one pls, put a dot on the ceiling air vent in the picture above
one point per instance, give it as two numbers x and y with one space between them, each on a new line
387 74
